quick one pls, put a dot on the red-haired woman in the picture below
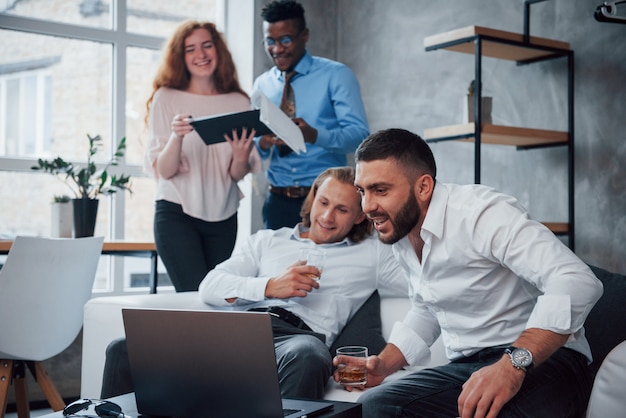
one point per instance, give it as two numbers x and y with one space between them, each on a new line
197 197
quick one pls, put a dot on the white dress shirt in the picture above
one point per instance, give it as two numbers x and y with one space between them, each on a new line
487 274
351 273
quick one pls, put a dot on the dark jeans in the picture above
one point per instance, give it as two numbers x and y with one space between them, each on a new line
304 364
559 387
280 211
303 361
116 376
191 247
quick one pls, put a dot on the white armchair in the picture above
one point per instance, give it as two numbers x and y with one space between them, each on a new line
44 285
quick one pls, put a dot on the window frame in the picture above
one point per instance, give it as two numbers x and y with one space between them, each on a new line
120 40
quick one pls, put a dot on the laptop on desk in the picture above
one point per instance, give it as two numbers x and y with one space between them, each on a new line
205 364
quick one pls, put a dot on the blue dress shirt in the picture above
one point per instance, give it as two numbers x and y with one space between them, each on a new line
328 98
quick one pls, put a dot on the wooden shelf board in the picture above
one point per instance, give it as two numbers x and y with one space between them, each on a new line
500 135
496 49
557 227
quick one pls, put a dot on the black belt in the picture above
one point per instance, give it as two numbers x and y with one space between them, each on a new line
291 191
285 315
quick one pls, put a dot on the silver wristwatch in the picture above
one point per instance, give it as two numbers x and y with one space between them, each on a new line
521 358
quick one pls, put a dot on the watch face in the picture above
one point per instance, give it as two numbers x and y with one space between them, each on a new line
522 357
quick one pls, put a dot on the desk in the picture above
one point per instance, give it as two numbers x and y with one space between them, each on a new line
118 248
129 407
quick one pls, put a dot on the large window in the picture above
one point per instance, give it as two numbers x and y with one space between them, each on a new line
69 68
25 108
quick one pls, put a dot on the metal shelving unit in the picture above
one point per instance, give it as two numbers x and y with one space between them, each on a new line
523 49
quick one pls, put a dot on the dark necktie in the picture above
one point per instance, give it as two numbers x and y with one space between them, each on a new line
287 105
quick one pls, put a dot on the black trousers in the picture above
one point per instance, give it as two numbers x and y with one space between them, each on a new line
557 388
281 211
117 378
191 247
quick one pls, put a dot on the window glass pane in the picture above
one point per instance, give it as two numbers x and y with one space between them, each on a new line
46 102
93 13
55 90
141 66
139 212
160 17
25 208
12 117
78 94
102 281
29 114
137 274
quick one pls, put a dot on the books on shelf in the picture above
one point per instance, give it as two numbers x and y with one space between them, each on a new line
265 117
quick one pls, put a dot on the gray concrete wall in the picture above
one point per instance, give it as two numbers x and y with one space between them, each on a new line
405 86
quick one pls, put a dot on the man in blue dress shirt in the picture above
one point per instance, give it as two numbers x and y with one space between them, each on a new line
328 109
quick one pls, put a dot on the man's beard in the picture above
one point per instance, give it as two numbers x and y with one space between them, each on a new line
405 220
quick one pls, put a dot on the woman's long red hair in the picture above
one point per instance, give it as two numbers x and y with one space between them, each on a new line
173 72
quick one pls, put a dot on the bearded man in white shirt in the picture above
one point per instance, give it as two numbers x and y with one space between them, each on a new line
508 298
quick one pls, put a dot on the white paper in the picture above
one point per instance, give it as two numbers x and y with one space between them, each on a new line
278 122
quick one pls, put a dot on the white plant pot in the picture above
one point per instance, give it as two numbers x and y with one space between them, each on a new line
62 220
468 109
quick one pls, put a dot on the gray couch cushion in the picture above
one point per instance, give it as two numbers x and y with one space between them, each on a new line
365 328
605 326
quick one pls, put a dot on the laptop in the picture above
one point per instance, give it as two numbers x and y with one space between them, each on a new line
201 364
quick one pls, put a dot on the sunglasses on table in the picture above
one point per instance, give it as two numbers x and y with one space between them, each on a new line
103 409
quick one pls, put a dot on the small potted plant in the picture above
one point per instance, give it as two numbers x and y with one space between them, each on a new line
468 105
87 183
61 217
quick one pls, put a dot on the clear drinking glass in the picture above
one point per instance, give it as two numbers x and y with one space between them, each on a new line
352 371
312 257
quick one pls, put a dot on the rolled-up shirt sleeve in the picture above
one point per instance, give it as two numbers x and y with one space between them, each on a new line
415 334
567 301
413 348
235 278
568 286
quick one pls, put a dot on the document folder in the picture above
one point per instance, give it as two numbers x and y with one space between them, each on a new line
266 118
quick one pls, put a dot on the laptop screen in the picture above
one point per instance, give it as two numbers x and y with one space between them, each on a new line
204 363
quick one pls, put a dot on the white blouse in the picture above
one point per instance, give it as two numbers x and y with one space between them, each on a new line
202 185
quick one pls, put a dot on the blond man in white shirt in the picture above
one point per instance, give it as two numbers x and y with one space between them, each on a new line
265 274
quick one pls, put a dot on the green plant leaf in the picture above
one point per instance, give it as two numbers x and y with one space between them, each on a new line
87 182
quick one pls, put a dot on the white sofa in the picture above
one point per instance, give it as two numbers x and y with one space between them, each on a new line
103 324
